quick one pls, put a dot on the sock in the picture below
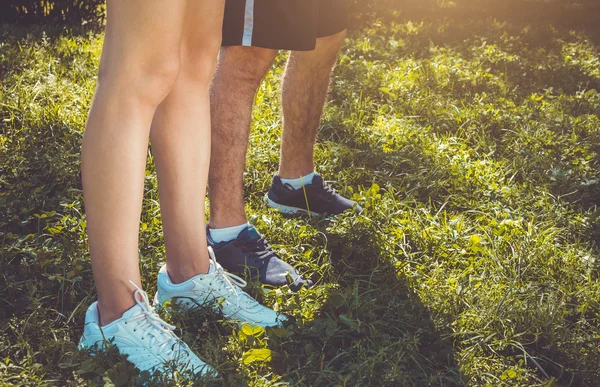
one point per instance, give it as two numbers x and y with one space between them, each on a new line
297 183
227 234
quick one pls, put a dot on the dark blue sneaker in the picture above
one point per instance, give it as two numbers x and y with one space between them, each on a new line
251 256
316 198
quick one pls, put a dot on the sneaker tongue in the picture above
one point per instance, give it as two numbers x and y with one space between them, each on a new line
248 234
212 267
317 179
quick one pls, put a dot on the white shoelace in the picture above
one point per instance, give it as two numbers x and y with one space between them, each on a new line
161 333
231 282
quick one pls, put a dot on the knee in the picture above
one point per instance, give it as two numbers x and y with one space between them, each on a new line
247 65
199 61
328 47
332 43
323 57
149 80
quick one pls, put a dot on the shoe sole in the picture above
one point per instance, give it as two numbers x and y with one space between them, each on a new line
288 210
190 303
209 370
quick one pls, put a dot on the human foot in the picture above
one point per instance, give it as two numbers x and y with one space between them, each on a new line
144 337
219 289
251 255
316 198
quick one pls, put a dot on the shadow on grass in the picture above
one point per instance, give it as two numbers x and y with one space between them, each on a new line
372 330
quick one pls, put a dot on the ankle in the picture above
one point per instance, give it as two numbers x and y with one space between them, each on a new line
290 173
299 182
226 234
180 273
112 311
233 220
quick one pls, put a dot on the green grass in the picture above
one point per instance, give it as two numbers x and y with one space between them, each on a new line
471 138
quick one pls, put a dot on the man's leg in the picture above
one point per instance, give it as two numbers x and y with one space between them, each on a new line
237 245
297 189
139 65
304 89
239 73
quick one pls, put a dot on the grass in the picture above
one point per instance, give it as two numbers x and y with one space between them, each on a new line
471 137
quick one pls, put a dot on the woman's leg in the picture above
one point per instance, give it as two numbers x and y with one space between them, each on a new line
181 142
139 65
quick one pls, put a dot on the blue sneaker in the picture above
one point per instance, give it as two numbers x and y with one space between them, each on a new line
316 198
220 290
251 256
144 337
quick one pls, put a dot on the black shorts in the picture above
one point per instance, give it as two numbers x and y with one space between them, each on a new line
282 24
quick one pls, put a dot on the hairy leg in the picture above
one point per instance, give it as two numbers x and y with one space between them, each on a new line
304 90
139 65
181 142
239 73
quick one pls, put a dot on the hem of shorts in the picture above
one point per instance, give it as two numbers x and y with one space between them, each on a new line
332 32
272 47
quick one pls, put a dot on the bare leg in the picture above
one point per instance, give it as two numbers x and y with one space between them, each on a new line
139 65
304 89
239 72
181 142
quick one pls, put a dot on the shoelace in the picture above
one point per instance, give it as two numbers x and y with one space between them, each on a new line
162 335
326 191
230 281
259 248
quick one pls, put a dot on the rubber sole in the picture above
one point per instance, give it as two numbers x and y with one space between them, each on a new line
287 209
190 303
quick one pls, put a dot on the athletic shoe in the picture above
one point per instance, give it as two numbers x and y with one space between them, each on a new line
251 256
316 198
219 289
144 337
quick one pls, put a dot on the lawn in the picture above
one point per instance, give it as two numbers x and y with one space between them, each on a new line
471 137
